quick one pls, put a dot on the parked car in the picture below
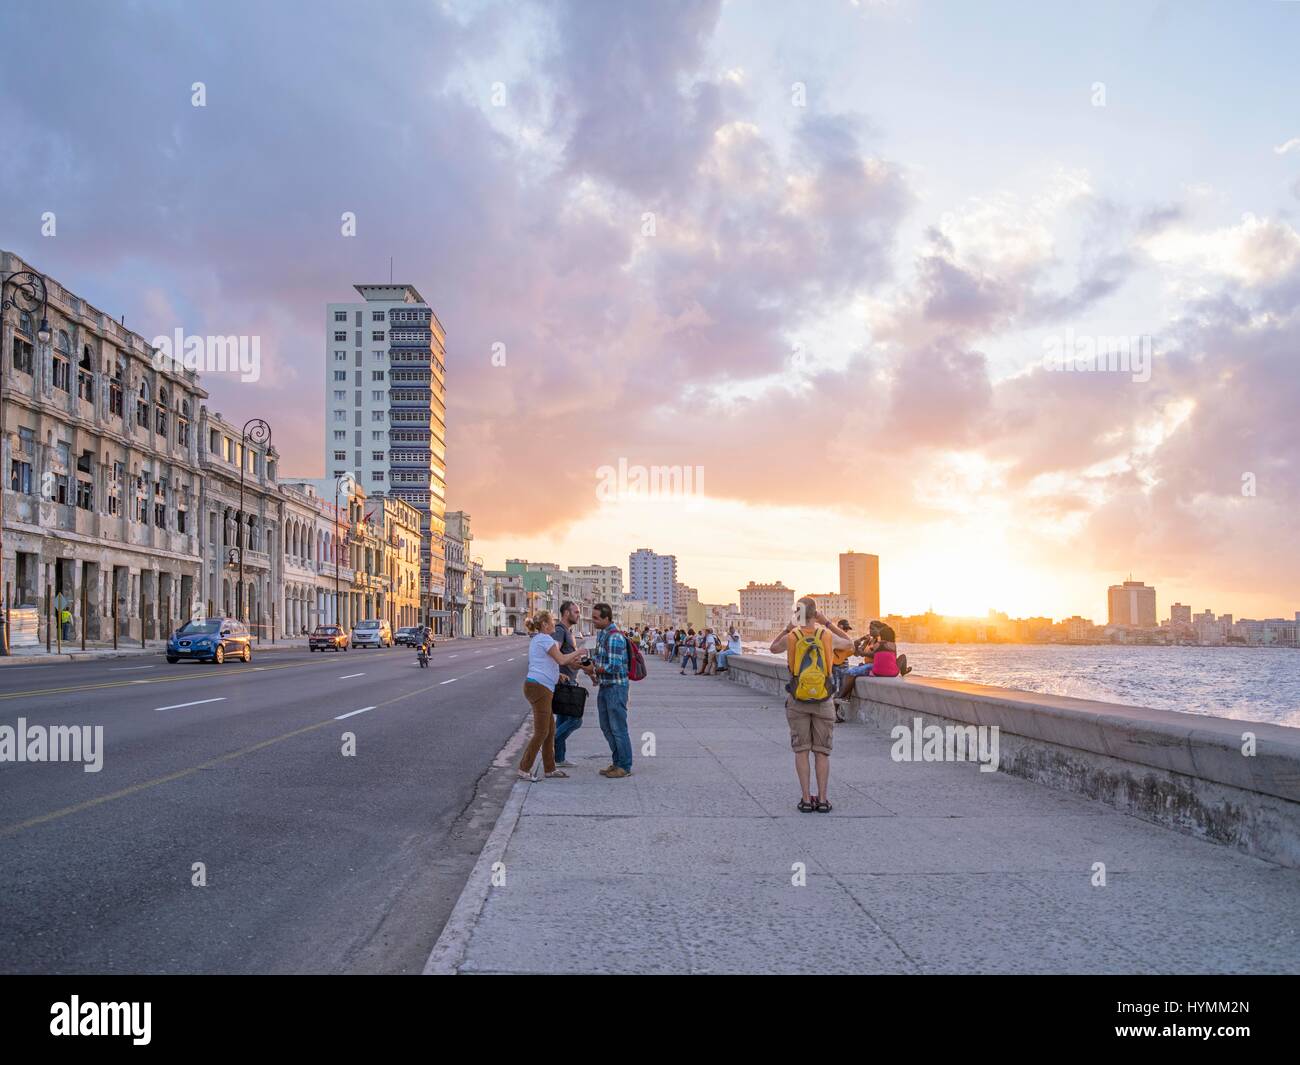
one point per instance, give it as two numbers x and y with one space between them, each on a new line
328 638
406 635
373 632
211 640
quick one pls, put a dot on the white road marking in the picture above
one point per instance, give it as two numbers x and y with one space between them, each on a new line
123 669
509 659
451 656
489 667
351 675
197 702
452 681
354 713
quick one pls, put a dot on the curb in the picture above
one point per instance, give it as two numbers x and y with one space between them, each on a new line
449 951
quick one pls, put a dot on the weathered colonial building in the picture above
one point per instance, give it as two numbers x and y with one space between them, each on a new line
397 524
101 470
230 524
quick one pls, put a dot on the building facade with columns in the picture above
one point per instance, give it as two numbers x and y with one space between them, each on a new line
101 476
397 525
239 515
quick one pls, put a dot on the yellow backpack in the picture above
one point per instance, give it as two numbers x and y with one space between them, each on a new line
809 682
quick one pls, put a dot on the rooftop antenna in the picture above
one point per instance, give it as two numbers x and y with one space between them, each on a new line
390 269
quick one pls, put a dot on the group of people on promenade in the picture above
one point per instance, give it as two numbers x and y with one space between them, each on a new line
703 650
818 654
554 659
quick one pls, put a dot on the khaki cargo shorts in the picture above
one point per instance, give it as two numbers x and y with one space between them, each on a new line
811 724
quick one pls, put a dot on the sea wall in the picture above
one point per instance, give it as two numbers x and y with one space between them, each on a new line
1233 782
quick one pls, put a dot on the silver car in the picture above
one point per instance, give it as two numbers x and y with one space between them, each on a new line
373 632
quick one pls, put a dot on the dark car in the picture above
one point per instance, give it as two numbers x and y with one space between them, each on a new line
328 638
211 640
406 636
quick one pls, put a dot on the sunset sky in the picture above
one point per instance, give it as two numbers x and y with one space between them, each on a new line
870 220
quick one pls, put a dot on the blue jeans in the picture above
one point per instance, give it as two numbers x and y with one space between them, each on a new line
612 701
564 728
723 656
690 657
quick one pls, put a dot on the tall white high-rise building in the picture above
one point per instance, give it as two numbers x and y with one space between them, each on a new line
386 411
653 578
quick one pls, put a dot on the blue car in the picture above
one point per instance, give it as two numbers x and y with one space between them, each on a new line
211 640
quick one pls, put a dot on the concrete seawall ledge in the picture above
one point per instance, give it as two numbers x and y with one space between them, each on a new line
1188 772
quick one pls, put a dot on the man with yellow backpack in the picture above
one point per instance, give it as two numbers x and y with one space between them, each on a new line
810 642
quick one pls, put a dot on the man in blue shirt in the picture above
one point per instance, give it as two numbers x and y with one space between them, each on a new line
609 669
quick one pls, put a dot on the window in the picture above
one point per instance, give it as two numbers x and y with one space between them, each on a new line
340 356
340 336
376 375
142 406
160 415
22 348
20 477
62 373
340 316
377 316
340 395
376 415
115 390
377 435
340 456
338 474
85 495
377 396
377 336
340 415
340 375
377 456
183 424
181 518
379 475
85 376
115 488
225 448
26 440
340 434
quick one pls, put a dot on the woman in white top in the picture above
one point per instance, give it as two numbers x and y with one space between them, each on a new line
544 662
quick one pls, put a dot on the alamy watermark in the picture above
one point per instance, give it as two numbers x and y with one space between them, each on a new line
209 354
1089 353
920 742
53 743
626 481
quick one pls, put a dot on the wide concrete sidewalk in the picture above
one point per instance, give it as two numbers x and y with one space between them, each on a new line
687 865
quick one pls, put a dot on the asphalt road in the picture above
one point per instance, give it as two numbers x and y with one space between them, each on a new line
315 861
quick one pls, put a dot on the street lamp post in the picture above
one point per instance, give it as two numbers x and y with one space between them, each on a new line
259 432
346 480
20 290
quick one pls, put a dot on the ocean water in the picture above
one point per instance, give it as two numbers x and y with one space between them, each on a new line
1248 683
